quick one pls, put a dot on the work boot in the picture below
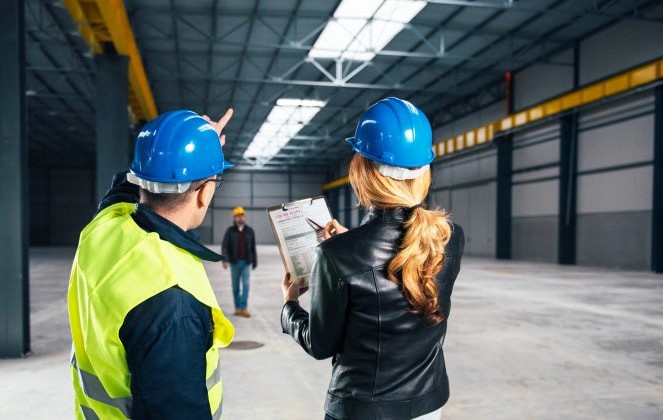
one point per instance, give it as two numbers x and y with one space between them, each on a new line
245 313
238 312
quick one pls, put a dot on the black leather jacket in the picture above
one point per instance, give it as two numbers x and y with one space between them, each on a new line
388 362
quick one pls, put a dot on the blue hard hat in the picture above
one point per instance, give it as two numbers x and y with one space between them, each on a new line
394 132
178 147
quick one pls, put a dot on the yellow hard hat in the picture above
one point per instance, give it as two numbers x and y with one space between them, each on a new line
238 211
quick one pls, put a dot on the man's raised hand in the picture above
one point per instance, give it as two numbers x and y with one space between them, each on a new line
221 124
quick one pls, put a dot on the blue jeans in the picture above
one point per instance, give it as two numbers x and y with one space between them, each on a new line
240 272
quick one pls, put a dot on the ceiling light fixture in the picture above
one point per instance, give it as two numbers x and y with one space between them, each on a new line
284 121
358 30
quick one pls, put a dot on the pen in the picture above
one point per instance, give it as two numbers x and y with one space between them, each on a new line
315 225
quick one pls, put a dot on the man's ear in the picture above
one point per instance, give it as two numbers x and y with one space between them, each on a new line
205 195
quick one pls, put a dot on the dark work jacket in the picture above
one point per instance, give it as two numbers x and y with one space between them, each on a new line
166 337
387 361
229 245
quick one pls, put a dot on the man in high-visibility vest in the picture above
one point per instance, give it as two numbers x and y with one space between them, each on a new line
145 323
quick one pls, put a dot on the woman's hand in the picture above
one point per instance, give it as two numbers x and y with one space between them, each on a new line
333 228
221 124
291 290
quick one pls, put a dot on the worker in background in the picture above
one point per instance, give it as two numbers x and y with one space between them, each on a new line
239 246
381 293
145 323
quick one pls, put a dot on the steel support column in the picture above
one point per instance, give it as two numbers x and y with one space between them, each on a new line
568 168
347 206
504 173
657 208
112 120
14 280
333 202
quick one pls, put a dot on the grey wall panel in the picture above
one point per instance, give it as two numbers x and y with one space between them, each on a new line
538 174
615 191
621 240
465 169
536 154
543 81
471 121
612 49
534 238
631 106
536 134
441 199
535 199
270 189
474 209
306 185
222 219
235 191
617 144
259 221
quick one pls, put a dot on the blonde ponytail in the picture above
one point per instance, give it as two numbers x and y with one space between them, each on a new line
421 253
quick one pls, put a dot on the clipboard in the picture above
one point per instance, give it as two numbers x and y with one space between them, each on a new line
298 229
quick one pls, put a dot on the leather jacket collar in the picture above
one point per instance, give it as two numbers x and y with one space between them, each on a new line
395 215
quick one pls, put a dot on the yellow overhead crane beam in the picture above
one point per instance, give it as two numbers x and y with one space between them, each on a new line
594 92
106 21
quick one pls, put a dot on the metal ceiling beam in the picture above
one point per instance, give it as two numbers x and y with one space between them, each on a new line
299 44
266 49
106 21
210 52
315 15
53 62
286 82
242 55
176 44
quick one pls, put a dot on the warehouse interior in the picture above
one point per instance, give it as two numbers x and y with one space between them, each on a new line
547 120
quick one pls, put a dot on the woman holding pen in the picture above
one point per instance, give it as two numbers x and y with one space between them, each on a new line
380 293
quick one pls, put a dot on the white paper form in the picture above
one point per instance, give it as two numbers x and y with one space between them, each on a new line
298 230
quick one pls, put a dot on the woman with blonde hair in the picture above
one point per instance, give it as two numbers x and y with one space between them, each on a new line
381 293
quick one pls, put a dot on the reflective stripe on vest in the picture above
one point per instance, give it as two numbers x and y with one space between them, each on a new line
89 413
93 388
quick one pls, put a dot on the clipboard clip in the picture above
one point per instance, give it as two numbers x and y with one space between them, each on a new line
286 206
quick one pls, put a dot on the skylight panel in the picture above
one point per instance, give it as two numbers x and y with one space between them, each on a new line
360 29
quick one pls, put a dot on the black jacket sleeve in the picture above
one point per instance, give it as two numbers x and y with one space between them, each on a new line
451 267
166 339
121 191
225 249
253 248
320 332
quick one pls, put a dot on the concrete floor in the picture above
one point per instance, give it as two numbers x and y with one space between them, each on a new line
525 341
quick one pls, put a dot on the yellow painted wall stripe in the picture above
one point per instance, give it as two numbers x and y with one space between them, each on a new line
102 21
336 183
594 92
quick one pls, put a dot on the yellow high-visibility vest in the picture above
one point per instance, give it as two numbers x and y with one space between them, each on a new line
118 266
